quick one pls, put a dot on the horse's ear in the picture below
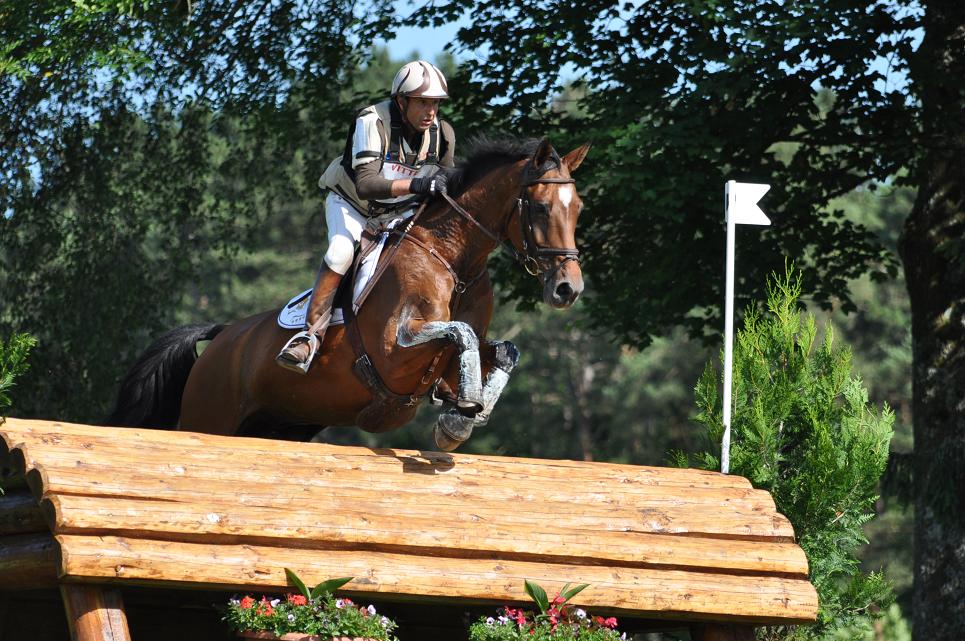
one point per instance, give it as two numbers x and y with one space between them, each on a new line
573 159
543 153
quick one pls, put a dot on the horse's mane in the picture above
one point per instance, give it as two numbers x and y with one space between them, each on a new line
485 154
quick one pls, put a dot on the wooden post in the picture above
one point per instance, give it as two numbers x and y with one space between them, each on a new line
94 614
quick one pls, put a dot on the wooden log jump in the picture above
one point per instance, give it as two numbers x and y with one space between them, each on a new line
183 510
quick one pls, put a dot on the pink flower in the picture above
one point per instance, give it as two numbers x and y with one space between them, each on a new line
520 618
559 600
610 622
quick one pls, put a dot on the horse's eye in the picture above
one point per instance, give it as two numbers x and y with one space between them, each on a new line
541 209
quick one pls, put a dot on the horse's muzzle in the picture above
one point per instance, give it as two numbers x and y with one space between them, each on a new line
564 285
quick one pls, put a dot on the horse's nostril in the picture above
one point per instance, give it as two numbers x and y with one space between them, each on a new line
564 291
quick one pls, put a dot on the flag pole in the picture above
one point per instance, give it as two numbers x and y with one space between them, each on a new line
740 206
728 327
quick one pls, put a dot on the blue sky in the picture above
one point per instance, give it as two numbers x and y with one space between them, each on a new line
428 42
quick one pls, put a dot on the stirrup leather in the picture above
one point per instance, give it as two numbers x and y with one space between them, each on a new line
288 362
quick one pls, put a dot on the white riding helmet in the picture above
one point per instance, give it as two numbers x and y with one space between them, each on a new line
420 79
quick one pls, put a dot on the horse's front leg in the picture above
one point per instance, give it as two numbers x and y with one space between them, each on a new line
452 428
413 332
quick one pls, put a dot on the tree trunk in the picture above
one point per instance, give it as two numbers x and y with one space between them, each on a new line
933 252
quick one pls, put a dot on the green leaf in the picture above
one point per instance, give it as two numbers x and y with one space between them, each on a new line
568 594
538 595
327 587
298 583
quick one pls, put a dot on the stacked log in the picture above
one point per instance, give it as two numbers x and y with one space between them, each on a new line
178 509
27 549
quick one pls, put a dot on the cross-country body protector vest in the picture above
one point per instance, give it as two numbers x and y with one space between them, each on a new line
396 164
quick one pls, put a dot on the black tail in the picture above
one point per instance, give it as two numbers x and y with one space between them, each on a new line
150 394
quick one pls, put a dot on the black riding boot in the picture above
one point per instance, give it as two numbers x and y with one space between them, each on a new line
298 352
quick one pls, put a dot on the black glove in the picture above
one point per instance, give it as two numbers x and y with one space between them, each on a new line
429 185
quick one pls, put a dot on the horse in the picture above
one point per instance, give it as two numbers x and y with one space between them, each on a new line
420 334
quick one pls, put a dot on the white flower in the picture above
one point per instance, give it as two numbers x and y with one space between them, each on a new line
384 621
339 603
504 619
274 602
235 601
624 636
291 617
580 614
490 621
371 610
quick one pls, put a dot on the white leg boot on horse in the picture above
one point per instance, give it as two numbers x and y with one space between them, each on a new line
299 351
453 428
469 397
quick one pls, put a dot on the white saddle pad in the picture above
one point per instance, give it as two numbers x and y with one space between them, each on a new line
292 315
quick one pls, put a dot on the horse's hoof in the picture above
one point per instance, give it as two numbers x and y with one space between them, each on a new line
452 430
444 442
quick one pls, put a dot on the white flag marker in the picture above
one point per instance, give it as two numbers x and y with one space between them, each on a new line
740 207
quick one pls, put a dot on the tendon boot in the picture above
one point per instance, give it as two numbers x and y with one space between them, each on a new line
299 351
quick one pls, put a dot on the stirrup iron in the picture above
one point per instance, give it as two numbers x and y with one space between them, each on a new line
299 366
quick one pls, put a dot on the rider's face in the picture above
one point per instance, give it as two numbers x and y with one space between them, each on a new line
420 112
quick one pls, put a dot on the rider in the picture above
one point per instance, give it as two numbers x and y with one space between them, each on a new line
391 160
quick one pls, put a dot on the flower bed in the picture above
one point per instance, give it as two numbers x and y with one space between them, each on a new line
313 615
556 620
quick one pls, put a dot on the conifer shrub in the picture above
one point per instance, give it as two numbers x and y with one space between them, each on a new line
13 363
802 429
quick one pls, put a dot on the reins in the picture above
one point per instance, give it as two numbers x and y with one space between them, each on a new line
532 256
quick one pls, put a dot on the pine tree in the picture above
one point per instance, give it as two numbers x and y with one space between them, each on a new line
803 430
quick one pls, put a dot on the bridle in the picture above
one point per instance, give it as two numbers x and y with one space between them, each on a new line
536 260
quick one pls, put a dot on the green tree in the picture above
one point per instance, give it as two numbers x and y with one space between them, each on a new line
802 429
131 132
13 363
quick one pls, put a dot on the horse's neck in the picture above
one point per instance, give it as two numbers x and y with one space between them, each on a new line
459 240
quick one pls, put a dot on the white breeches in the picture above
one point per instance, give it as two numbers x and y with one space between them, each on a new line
345 225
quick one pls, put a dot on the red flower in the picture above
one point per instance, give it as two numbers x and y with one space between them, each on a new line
347 601
598 620
521 618
297 599
558 600
265 609
246 603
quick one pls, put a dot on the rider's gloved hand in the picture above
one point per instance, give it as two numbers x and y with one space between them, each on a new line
429 185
